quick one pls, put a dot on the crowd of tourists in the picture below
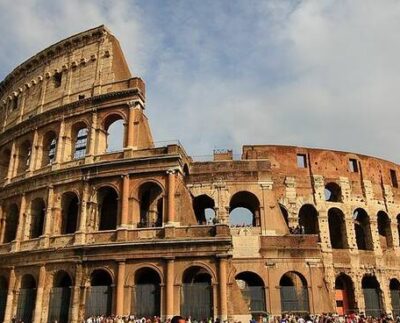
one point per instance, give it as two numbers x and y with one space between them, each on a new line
286 318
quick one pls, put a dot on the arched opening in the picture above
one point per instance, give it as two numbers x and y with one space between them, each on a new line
24 157
337 229
26 299
203 207
284 213
362 229
333 192
60 297
385 231
70 210
294 293
115 132
3 297
394 287
308 219
147 293
38 211
5 158
372 296
79 140
398 226
107 199
196 298
49 148
12 219
244 209
344 295
99 296
253 291
151 205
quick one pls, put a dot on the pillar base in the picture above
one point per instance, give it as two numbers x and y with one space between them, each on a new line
15 246
122 234
80 238
44 241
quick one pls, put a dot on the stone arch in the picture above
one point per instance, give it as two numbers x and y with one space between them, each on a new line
394 287
24 156
244 204
130 278
107 208
5 158
372 295
308 219
333 192
337 229
26 298
3 296
147 292
294 293
79 139
252 288
197 293
113 125
38 213
203 265
284 213
49 147
100 294
362 229
203 206
60 297
69 212
384 230
344 295
12 220
135 190
151 204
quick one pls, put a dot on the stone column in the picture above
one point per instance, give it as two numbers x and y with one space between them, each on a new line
21 224
2 223
222 277
34 148
131 126
92 135
39 295
60 143
76 291
120 288
49 212
10 296
171 197
169 289
11 165
80 234
125 201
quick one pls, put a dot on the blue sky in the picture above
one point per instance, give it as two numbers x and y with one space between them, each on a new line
221 74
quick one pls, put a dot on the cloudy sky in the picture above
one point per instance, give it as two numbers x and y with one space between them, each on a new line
221 74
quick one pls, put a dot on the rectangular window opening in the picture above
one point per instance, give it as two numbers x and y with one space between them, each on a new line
393 177
353 165
301 161
57 78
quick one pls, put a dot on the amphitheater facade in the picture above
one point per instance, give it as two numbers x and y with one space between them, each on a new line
147 229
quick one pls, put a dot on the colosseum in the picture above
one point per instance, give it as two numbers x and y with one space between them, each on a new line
86 229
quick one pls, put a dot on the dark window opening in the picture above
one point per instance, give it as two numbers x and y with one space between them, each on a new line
38 211
151 205
308 219
301 161
384 230
108 208
333 192
14 103
81 96
81 143
393 177
363 230
57 79
337 229
203 206
353 165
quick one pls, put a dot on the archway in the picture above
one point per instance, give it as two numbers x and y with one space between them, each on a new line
344 295
38 211
203 207
362 229
244 209
151 205
3 297
308 219
384 230
70 211
372 296
107 199
147 293
337 229
294 293
5 157
26 299
196 298
60 297
79 140
24 157
49 148
394 287
99 296
252 288
333 192
12 219
115 132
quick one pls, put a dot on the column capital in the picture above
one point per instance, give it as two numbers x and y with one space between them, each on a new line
136 104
